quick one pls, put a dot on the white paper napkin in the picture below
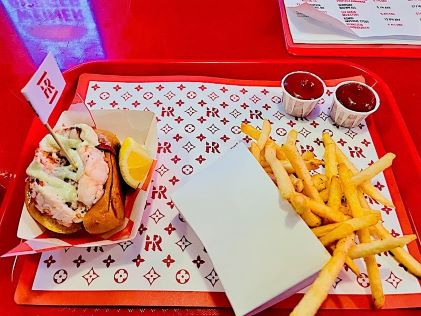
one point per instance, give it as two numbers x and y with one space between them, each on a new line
262 251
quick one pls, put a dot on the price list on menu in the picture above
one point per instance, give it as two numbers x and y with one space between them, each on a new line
365 20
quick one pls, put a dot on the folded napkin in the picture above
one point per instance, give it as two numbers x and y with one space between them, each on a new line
261 249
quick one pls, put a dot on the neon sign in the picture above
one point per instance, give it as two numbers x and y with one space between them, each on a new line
64 27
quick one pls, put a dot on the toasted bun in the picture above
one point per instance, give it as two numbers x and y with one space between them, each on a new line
46 220
106 214
115 143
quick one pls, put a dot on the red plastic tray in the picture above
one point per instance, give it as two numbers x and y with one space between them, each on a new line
388 122
353 50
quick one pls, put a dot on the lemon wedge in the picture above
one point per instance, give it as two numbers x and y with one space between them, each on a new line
134 162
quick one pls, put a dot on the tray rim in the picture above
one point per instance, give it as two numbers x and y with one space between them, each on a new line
392 102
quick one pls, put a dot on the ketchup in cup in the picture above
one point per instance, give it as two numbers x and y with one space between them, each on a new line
356 97
353 102
304 86
302 91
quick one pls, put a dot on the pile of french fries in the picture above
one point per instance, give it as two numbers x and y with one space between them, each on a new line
334 206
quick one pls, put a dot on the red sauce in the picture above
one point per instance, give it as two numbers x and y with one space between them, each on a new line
303 86
356 97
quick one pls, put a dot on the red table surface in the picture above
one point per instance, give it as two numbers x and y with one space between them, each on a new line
206 30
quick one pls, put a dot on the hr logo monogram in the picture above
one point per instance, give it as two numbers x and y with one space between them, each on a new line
256 114
47 87
169 111
356 152
44 88
212 147
159 192
212 112
153 243
306 148
165 147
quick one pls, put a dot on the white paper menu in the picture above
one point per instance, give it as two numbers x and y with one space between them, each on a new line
355 21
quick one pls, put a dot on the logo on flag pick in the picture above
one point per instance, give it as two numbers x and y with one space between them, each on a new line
45 88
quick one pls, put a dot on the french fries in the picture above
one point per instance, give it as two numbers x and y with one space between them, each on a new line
399 254
292 137
366 186
350 191
375 247
334 198
280 154
335 194
324 195
311 219
282 179
371 171
348 227
345 209
318 291
351 195
325 211
255 134
297 183
352 265
308 155
323 230
255 151
264 135
375 281
311 162
299 203
330 156
320 181
370 261
301 170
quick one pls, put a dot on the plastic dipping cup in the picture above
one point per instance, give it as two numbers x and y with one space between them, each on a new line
353 101
302 91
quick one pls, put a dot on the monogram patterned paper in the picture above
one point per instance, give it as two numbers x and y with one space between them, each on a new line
197 122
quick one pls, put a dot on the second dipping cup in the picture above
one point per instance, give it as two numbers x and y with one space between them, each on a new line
358 95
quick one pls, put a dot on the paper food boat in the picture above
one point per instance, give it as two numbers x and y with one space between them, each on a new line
141 126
